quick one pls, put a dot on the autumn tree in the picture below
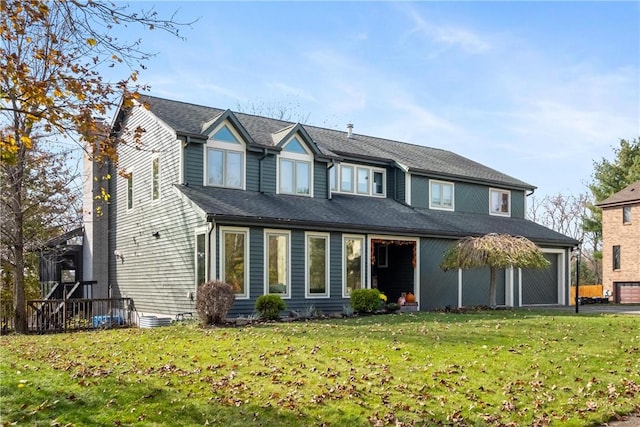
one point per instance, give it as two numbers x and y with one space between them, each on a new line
494 251
609 177
50 205
54 56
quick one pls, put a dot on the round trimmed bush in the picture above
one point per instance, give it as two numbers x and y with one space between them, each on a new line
365 300
270 306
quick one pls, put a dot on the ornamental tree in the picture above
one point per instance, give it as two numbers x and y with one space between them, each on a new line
494 251
54 56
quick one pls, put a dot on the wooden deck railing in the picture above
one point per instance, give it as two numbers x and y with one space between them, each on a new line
60 315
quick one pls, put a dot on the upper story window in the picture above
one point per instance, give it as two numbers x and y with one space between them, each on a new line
616 257
626 215
441 195
295 175
364 180
499 202
155 178
225 159
129 176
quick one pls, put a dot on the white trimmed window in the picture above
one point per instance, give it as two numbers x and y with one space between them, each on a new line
441 195
361 180
155 178
234 259
352 264
499 202
129 176
200 258
317 265
277 262
225 160
295 163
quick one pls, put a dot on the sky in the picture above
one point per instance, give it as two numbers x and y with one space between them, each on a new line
536 90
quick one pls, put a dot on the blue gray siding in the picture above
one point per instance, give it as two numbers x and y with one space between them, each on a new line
437 288
517 204
194 164
540 286
320 182
471 198
419 191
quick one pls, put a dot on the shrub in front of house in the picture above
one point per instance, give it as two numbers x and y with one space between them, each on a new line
365 300
213 301
270 306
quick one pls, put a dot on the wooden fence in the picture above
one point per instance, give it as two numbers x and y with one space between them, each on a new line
586 291
61 315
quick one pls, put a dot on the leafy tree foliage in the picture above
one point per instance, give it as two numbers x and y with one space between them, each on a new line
52 59
494 251
609 177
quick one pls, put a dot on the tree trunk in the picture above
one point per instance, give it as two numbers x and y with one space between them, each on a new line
492 287
16 202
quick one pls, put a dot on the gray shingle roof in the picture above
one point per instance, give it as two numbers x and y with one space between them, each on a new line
187 118
363 214
626 196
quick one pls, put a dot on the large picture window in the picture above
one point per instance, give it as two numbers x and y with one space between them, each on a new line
353 264
235 256
500 202
441 195
317 269
277 257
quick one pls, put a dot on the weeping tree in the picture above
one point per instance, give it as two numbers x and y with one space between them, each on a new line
494 251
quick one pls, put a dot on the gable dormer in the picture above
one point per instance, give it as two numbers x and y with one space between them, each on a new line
295 168
225 152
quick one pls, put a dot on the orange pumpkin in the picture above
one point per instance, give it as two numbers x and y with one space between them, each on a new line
411 297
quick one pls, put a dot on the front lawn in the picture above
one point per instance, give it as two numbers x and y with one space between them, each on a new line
511 367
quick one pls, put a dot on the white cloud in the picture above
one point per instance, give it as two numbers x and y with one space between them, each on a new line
448 36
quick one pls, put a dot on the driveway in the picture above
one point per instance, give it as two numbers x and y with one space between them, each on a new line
606 308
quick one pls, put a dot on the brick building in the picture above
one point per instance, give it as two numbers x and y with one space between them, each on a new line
621 244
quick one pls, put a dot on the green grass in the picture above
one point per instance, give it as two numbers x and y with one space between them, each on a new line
512 367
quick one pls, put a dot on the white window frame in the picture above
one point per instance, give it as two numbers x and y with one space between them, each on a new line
130 197
345 290
287 234
367 179
441 206
155 180
383 172
333 177
221 261
326 236
354 169
501 192
296 158
225 147
201 231
353 183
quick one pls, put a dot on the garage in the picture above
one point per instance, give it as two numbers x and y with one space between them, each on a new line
541 286
627 292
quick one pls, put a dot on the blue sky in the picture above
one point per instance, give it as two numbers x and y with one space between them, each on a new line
537 90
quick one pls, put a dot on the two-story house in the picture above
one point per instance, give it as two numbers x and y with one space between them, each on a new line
305 212
620 248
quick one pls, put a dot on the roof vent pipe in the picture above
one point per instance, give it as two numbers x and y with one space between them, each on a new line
350 130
